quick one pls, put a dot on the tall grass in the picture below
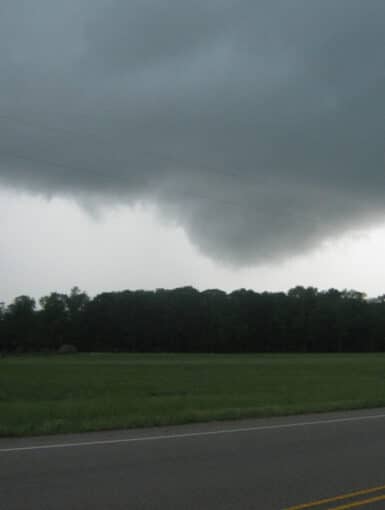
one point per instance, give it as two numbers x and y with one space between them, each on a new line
53 394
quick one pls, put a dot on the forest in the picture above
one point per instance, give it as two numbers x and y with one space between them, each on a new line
187 320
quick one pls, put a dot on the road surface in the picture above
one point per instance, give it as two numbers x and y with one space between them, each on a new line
280 463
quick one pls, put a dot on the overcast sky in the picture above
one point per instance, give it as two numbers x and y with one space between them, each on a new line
215 143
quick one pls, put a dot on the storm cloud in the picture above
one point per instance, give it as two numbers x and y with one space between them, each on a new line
257 125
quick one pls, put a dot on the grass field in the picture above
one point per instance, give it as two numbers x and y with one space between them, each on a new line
44 395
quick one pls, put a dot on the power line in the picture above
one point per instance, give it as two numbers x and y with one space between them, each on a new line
63 166
102 138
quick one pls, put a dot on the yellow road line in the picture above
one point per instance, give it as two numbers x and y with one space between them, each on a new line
354 494
363 502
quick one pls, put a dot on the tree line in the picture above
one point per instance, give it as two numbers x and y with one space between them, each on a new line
186 320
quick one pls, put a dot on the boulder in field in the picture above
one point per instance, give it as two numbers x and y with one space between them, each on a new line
67 349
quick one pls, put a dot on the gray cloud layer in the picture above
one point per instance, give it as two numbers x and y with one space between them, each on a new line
257 124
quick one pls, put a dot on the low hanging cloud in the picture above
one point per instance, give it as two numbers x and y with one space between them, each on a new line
258 125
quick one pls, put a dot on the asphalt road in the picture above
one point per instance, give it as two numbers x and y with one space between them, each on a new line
254 464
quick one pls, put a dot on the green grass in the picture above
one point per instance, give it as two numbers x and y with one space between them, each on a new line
44 395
